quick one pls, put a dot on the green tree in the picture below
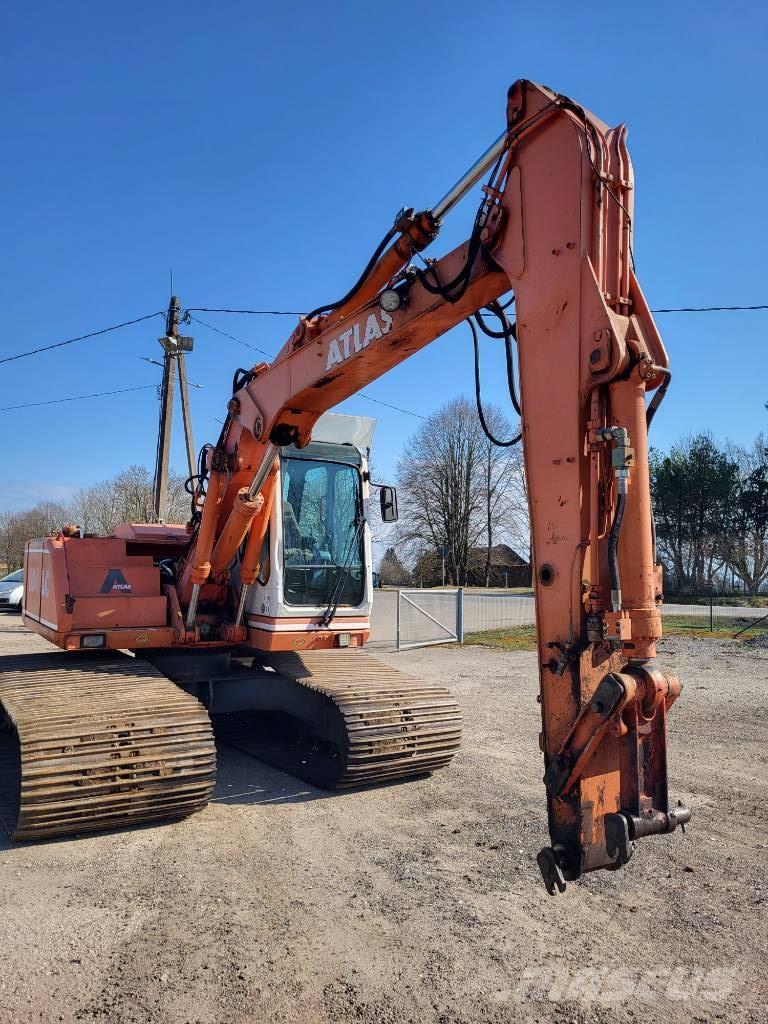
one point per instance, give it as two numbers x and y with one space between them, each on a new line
392 571
745 544
693 486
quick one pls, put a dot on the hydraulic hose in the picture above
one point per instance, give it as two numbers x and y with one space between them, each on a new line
613 559
478 399
658 398
509 334
650 412
360 281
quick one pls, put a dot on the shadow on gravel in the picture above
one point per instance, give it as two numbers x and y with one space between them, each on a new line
242 779
269 759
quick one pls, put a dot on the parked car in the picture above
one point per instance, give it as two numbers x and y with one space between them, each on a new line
12 590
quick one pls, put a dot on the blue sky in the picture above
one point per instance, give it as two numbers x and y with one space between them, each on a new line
261 151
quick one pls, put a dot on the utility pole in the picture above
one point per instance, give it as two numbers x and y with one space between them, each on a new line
174 348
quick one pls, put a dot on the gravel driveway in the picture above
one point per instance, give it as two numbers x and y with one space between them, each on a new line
419 902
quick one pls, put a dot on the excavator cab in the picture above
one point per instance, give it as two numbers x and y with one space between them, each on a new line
319 540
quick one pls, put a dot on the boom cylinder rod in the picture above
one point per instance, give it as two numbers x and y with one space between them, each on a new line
241 603
263 471
473 175
267 464
249 566
192 609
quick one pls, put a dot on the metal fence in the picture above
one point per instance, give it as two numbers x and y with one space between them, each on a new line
418 617
427 617
716 612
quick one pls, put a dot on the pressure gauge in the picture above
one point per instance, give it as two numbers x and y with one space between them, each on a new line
390 300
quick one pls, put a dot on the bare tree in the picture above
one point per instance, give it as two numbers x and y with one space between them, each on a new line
127 498
458 491
502 476
11 541
16 528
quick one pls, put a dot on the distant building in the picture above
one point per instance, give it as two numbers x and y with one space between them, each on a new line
506 569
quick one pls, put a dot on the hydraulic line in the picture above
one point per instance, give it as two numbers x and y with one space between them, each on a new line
653 408
361 280
658 398
454 290
509 334
613 560
488 330
478 400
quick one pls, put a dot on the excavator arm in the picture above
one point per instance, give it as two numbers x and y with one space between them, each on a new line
555 227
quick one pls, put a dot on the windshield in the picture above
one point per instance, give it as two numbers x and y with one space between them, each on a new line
322 544
14 577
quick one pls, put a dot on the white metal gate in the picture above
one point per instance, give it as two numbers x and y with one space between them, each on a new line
426 617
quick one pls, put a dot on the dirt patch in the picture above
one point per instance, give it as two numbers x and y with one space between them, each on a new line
418 902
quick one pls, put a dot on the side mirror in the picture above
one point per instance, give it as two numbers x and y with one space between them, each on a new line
388 499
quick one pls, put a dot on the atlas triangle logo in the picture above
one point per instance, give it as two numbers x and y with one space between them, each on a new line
115 581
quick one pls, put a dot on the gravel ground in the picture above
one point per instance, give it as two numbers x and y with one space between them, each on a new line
419 902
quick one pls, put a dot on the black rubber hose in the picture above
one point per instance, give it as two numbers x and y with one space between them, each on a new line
613 544
361 280
650 412
653 532
448 291
509 334
658 398
507 327
478 399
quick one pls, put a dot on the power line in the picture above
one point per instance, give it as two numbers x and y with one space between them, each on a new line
283 312
78 398
247 344
707 309
81 337
378 401
254 312
288 312
269 355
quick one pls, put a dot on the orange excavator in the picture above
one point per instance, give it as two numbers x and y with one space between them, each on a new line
261 602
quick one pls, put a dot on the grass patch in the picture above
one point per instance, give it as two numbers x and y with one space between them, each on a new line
523 638
698 625
514 638
728 600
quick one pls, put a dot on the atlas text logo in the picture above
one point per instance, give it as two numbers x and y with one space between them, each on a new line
355 339
115 581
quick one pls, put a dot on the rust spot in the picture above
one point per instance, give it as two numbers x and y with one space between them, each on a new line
325 381
553 537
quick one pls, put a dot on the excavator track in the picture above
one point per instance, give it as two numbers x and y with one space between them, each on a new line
381 724
99 742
